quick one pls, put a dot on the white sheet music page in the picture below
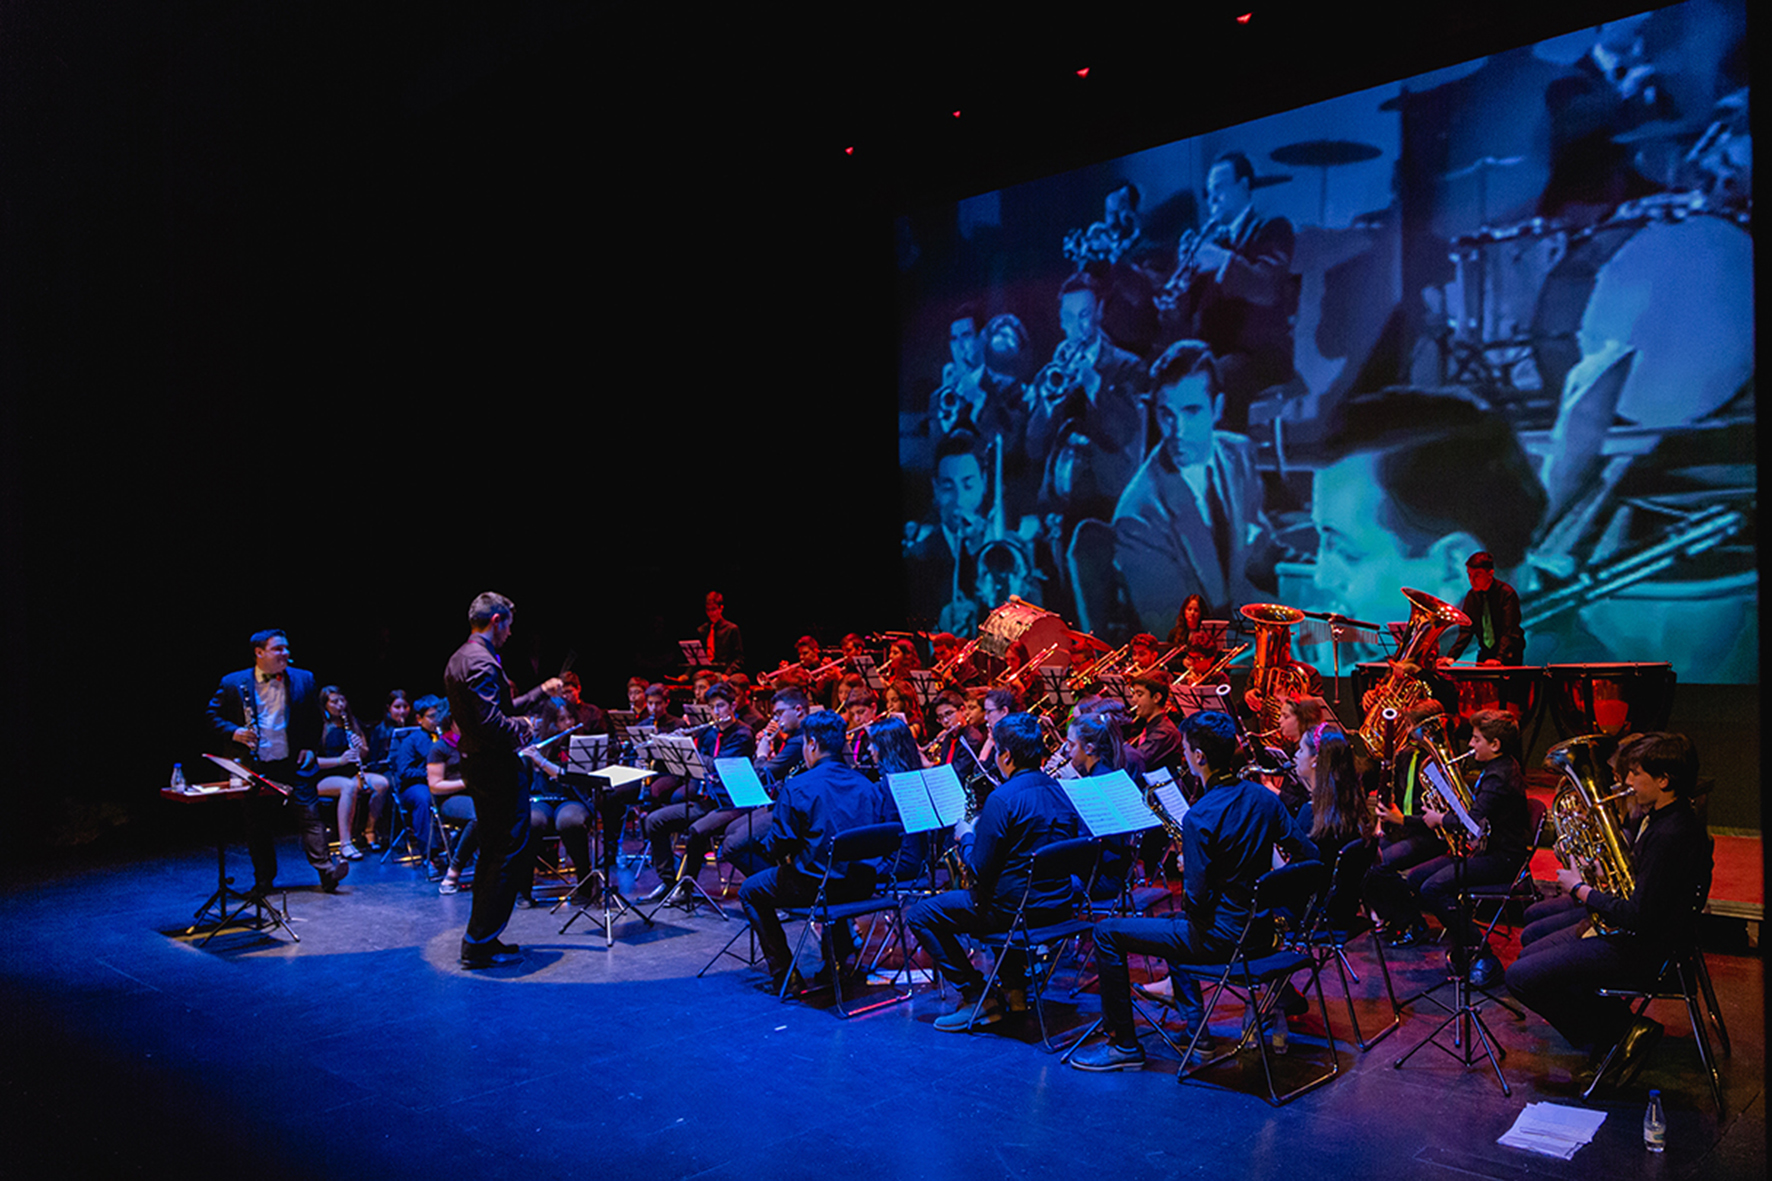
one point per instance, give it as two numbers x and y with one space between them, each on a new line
946 793
915 809
740 780
1109 804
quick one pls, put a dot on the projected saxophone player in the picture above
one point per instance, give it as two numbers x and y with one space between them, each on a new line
1233 287
941 561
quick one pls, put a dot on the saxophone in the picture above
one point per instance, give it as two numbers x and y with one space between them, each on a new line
1428 620
1589 829
1273 676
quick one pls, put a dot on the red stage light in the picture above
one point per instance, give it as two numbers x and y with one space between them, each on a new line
849 151
1083 73
956 114
1244 19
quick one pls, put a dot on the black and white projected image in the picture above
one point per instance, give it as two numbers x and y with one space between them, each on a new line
1506 307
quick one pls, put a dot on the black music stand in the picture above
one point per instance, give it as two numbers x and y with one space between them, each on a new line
695 654
1465 1013
682 758
266 915
1058 689
869 668
604 895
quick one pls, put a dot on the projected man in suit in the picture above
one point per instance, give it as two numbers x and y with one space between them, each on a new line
1408 483
1190 519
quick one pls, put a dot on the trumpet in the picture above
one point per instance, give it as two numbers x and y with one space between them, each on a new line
811 673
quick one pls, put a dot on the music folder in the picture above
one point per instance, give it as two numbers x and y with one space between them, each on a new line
1109 804
739 783
928 799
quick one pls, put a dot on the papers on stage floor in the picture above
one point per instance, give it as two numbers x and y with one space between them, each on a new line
1553 1129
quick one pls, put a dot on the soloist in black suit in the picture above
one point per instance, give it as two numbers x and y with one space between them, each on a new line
228 712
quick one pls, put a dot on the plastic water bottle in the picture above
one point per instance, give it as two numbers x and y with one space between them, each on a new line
1654 1124
178 777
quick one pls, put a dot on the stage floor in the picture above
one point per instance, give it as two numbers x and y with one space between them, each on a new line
366 1051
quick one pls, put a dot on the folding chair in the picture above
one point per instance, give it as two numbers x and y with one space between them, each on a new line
1682 977
1296 889
1341 921
1523 889
869 843
1061 860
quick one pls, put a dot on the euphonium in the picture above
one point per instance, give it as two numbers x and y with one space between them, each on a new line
1589 830
1273 676
1440 780
1428 620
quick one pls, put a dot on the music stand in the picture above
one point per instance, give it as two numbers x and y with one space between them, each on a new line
1114 685
926 683
252 783
1465 1009
1191 699
1057 684
697 715
869 669
929 801
606 895
694 653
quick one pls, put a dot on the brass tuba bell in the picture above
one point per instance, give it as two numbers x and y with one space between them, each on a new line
1589 829
1428 620
1273 676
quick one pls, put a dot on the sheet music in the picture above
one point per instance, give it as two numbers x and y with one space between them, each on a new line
1109 804
1170 797
1191 699
946 793
1432 773
739 778
619 776
916 811
586 752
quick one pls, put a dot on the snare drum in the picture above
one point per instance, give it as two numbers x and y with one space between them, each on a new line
1610 698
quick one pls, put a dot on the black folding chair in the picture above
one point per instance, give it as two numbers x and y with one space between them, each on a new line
1340 921
1523 890
870 843
1256 969
1682 977
1059 861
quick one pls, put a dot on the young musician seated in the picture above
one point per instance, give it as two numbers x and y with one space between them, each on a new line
1558 975
700 814
1404 840
1498 800
1152 731
827 798
408 759
1026 813
780 753
1228 842
1201 657
344 752
449 798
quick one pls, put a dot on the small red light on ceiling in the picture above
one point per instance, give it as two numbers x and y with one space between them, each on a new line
849 151
1244 19
1083 73
956 114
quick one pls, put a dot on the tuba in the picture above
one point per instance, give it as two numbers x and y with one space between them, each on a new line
1441 784
1589 828
1273 676
1428 620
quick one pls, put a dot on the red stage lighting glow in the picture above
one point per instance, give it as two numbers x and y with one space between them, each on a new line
1083 73
1244 19
849 151
956 114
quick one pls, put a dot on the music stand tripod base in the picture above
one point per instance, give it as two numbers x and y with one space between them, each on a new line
1465 1010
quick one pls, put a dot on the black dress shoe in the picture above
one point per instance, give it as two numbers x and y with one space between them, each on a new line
497 955
1293 1003
525 902
331 876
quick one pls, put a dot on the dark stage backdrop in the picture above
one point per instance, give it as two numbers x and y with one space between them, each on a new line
1555 240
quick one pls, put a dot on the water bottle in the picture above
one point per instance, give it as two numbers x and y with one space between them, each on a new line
1654 1124
1279 1040
178 777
